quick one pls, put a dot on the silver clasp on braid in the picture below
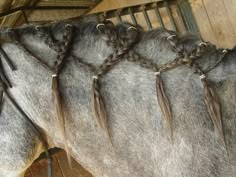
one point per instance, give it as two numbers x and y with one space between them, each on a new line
68 25
202 43
203 76
225 51
171 37
98 25
132 27
54 75
37 28
95 77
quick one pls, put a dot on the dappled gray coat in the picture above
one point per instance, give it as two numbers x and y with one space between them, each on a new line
140 137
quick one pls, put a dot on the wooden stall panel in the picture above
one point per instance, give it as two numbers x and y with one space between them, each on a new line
230 6
220 22
214 19
203 21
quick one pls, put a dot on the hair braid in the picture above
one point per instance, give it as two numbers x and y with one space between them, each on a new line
211 100
61 58
188 58
120 45
160 91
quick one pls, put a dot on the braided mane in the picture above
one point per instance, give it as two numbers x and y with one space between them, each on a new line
122 39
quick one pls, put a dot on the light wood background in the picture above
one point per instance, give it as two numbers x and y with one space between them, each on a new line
60 167
216 19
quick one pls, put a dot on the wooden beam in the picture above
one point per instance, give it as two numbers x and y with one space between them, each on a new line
38 16
65 3
5 5
107 5
12 19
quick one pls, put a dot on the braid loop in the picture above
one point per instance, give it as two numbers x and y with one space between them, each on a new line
45 33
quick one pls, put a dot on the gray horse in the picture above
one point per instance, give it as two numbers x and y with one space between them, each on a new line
140 146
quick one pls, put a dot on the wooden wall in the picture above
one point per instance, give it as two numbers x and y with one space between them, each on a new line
216 20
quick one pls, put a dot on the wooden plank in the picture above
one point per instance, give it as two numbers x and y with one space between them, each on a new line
203 21
76 171
11 20
230 6
38 170
28 173
63 3
153 18
178 21
106 5
54 15
5 5
220 22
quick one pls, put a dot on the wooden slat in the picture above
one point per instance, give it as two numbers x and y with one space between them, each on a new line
12 19
39 169
220 22
178 21
155 22
76 171
203 22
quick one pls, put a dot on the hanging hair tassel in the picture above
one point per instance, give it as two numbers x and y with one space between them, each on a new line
98 108
60 114
213 106
164 103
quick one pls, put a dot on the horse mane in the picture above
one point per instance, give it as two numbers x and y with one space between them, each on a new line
122 38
